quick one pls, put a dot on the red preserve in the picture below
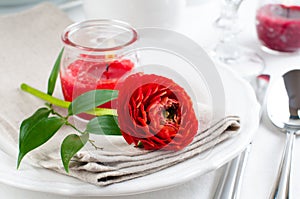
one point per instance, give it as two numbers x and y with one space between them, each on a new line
95 56
278 27
82 76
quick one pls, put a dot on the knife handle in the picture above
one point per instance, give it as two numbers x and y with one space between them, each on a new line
230 184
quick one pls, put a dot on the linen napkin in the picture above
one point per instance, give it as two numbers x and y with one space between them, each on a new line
105 168
30 42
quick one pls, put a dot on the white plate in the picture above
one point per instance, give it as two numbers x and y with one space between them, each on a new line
239 97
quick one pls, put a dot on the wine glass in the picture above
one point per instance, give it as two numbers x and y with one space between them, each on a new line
248 64
228 51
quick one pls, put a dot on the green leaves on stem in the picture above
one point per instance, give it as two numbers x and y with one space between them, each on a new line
105 124
32 120
64 104
70 146
90 100
37 130
54 74
45 122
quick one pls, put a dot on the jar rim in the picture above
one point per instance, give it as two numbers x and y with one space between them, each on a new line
71 29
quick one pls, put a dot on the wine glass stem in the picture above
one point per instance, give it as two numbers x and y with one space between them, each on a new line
227 49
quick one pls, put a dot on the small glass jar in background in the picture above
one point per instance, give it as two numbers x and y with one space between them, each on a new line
278 25
94 58
140 13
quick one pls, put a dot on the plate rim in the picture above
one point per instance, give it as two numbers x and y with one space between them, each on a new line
98 191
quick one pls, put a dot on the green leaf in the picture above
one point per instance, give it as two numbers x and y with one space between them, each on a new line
54 73
90 100
28 123
105 124
70 146
37 132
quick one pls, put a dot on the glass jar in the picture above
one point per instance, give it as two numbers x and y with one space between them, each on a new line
93 56
278 25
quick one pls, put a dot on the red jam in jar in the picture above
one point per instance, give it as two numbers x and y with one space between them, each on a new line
278 27
82 76
95 57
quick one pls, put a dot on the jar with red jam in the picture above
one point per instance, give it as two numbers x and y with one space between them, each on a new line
94 58
278 25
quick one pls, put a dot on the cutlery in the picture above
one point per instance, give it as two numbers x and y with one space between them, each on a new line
230 183
282 108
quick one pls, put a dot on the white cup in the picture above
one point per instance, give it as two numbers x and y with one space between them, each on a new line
139 13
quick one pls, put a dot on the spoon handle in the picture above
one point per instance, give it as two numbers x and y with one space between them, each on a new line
281 189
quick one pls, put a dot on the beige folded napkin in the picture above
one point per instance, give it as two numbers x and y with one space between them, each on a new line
30 42
105 168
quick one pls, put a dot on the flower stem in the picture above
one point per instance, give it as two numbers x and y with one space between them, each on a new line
64 104
92 142
81 132
74 127
44 96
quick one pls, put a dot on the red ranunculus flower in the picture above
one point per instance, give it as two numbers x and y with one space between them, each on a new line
155 113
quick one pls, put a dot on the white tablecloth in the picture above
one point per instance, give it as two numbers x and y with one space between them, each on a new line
268 142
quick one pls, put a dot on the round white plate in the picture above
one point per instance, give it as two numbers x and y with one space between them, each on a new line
239 97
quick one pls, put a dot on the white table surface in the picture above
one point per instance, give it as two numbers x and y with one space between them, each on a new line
268 143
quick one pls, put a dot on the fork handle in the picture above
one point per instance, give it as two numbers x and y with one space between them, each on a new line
282 185
227 181
230 184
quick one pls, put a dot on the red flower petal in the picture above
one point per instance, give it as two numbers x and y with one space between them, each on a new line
155 111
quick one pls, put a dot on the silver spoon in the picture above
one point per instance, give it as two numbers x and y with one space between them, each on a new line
282 108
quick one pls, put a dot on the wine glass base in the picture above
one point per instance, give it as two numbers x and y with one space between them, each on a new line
247 65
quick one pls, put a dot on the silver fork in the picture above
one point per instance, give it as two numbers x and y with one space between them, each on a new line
230 183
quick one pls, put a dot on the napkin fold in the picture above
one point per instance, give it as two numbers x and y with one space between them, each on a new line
102 168
30 42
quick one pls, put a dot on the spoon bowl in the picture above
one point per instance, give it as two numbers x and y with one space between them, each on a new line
282 108
278 108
